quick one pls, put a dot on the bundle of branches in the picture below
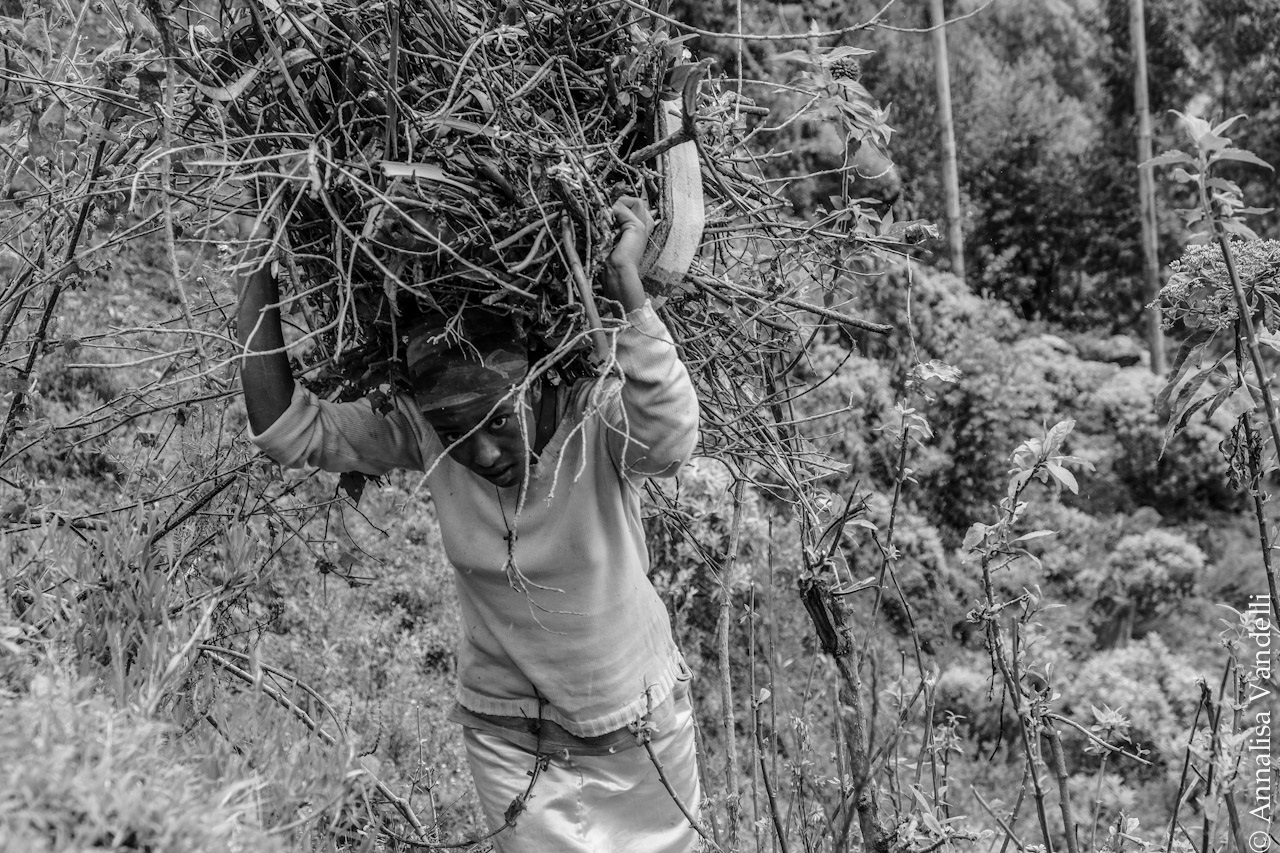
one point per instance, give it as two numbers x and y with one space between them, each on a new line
426 156
422 157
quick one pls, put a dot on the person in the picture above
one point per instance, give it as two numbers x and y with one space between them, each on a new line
571 690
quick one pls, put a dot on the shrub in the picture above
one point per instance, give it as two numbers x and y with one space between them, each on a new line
1146 576
1013 383
967 693
1152 686
688 526
858 400
80 775
1127 448
935 588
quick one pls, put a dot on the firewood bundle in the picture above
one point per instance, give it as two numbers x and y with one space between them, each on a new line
412 158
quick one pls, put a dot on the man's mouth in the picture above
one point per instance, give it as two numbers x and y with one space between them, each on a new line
503 477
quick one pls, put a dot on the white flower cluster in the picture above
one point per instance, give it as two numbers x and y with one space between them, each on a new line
1199 292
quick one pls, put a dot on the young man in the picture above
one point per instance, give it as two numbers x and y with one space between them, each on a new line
567 661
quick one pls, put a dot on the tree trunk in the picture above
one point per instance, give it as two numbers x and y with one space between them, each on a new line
1146 187
950 173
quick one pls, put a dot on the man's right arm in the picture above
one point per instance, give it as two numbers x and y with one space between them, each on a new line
264 370
294 427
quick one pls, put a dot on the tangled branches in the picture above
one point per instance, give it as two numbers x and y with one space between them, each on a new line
413 158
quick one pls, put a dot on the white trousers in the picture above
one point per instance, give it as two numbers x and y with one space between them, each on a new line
591 804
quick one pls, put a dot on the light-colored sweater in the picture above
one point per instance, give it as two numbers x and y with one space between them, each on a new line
574 622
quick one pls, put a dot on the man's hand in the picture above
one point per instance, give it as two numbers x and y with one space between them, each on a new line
622 283
636 223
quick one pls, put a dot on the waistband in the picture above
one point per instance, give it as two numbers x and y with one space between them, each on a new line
546 737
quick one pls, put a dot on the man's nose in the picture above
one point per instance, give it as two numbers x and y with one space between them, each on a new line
487 452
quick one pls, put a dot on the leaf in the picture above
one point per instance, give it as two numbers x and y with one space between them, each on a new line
844 51
353 483
1026 454
1212 142
1193 384
678 75
1223 184
1240 155
1064 477
1182 176
936 369
1226 125
975 536
1195 126
1216 401
423 171
1018 480
1191 215
53 121
1168 158
926 814
1232 226
149 86
1057 435
1270 311
1082 464
1035 534
232 90
1184 405
1194 344
1177 426
1234 404
908 231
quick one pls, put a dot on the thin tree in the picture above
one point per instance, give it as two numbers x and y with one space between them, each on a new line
1146 186
946 124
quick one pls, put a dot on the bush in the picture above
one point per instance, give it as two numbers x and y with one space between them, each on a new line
1127 448
1013 383
1080 540
1143 579
927 594
80 775
858 401
1147 683
967 693
688 526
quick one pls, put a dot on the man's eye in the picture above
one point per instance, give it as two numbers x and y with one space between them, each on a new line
499 423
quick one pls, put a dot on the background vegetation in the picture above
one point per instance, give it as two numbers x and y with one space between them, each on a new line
201 652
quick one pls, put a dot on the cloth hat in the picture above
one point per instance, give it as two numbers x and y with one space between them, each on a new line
456 361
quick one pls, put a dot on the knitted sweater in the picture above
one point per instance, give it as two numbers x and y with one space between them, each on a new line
565 625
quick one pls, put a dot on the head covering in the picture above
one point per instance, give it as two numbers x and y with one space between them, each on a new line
453 361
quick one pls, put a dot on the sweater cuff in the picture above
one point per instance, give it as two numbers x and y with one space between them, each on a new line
644 345
644 318
276 437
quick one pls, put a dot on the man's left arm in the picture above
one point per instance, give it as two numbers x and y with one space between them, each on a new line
656 426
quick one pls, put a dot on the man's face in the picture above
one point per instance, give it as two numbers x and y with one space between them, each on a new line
486 436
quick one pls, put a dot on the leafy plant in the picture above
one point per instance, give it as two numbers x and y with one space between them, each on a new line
1204 376
1144 576
81 775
